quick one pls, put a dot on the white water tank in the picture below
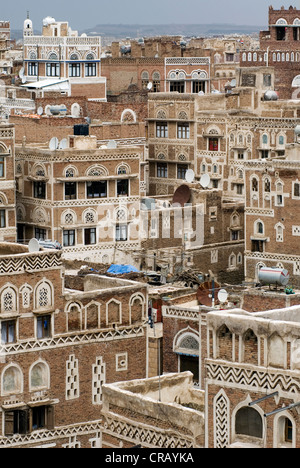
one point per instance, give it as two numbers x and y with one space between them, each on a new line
278 276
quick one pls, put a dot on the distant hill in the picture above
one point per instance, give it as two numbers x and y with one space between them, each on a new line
122 31
187 30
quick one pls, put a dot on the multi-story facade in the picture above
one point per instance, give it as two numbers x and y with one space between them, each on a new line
279 48
62 338
84 196
7 182
271 215
6 63
60 60
252 379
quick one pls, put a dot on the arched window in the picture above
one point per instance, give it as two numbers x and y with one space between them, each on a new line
113 312
137 308
74 317
89 217
254 184
12 380
248 422
26 291
92 315
8 300
285 431
259 227
265 139
39 376
187 348
250 347
224 340
43 295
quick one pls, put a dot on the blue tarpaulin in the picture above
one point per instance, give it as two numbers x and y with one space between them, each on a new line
121 269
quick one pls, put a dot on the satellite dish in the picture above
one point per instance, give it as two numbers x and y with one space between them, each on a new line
190 176
182 195
204 292
205 181
112 144
23 79
222 295
149 85
63 144
21 72
40 111
53 145
33 245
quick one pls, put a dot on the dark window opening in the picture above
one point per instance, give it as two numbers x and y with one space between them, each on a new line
70 191
69 237
121 232
248 422
281 33
257 245
181 171
39 190
161 130
177 86
162 170
16 422
44 326
8 331
122 188
90 236
96 189
198 86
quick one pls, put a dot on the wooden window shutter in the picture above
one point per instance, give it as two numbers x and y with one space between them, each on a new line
50 417
9 423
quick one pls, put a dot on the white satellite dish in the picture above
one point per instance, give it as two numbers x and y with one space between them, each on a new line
33 245
190 176
149 85
53 145
40 110
63 144
222 295
111 144
205 181
21 72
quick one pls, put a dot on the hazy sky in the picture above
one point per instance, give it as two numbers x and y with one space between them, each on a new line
83 14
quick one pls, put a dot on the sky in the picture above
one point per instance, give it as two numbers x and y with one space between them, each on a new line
84 14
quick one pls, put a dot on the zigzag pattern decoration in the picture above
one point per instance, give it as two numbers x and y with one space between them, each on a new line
21 264
258 378
148 437
221 417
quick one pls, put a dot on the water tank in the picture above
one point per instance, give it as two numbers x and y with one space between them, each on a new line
277 276
270 96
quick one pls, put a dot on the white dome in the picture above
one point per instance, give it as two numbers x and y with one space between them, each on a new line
48 20
27 24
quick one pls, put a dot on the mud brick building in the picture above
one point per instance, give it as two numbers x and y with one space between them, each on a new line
279 48
271 215
170 63
62 60
84 196
158 413
252 379
59 345
7 182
